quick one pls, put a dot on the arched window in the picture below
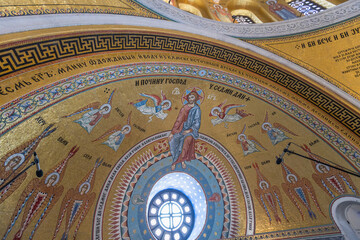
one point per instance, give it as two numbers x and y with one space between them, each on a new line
306 7
244 16
171 215
241 19
176 207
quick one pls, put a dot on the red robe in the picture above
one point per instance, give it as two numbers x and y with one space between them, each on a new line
188 150
98 116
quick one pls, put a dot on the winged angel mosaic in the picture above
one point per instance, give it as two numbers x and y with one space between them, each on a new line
160 104
38 198
275 131
331 180
14 162
269 197
222 114
76 204
95 112
117 135
300 191
248 143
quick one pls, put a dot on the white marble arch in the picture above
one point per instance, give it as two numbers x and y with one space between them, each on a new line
338 210
342 12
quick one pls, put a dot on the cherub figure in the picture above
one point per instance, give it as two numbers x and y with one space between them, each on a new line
276 131
14 162
248 143
77 203
299 191
269 196
160 105
222 115
39 197
331 180
117 135
96 112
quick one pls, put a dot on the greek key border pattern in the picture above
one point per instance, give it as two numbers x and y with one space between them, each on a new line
21 57
268 45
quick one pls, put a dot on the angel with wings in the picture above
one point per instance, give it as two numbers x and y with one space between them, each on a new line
95 112
117 135
222 115
76 204
160 105
39 197
331 180
300 191
248 143
15 161
269 197
275 131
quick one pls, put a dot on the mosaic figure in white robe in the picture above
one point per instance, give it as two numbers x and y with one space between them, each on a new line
94 113
160 104
275 131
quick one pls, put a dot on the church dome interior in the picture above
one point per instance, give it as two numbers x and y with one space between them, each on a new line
180 119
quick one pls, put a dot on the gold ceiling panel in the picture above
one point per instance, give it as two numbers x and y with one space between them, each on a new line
331 53
91 104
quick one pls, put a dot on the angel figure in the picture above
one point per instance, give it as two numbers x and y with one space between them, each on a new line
222 115
248 143
220 13
281 11
96 112
299 191
269 197
331 180
38 198
275 131
117 136
14 162
160 105
77 203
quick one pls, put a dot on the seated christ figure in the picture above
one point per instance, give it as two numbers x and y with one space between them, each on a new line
185 131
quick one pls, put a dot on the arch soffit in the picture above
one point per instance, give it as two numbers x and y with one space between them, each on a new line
340 13
337 212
